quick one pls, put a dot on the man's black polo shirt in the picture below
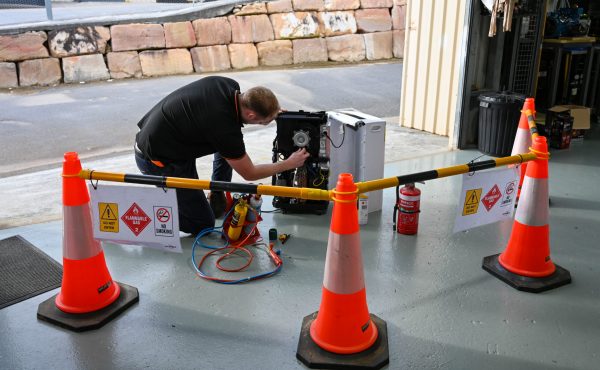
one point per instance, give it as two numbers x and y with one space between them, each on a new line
193 121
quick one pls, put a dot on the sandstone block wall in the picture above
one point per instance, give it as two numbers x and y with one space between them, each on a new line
274 33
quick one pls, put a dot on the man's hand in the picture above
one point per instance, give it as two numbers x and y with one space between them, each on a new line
251 172
297 158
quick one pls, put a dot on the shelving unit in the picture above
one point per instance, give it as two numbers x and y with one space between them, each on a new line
565 70
593 96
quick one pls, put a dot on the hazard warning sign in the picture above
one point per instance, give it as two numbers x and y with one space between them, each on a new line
109 217
490 199
136 219
471 202
163 222
483 188
509 194
152 216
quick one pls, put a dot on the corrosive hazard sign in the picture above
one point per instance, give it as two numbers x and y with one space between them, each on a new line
471 202
109 217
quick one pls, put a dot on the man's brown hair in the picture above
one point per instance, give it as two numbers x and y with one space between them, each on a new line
261 100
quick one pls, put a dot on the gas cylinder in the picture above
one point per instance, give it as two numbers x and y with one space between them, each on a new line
255 203
409 204
237 220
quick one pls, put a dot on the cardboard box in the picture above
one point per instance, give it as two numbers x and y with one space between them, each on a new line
581 115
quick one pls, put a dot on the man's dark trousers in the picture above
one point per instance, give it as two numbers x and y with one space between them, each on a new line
195 213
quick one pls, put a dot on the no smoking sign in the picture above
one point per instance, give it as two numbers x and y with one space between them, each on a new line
510 188
163 214
163 222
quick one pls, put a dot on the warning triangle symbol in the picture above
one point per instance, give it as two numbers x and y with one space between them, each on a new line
472 197
108 213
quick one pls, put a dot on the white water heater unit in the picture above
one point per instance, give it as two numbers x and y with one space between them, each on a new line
358 147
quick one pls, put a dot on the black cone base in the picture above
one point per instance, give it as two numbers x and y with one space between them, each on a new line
313 356
559 278
48 311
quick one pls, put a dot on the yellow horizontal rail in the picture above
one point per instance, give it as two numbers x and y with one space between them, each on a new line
302 193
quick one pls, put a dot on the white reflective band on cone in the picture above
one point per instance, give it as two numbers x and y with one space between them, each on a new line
343 267
78 233
532 209
522 144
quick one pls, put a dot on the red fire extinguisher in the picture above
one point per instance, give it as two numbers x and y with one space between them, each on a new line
408 203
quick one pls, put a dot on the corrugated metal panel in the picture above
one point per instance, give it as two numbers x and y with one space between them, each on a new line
431 65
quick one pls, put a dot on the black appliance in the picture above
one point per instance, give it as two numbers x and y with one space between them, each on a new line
297 130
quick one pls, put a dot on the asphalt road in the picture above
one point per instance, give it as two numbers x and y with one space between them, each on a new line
99 119
15 18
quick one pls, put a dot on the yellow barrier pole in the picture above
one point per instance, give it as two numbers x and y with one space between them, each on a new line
389 182
185 183
302 193
532 126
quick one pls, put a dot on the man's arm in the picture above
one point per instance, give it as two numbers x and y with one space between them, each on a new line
251 172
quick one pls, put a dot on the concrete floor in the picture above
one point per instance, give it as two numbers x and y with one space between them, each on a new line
442 310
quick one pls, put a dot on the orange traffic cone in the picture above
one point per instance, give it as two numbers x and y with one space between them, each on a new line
88 297
523 138
526 263
343 333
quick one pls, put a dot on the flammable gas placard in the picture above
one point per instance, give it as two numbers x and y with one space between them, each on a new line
136 215
486 197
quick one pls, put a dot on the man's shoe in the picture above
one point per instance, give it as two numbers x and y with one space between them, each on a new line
217 202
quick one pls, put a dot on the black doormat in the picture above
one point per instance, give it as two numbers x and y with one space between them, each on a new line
25 271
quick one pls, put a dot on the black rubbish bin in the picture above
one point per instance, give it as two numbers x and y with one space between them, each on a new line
499 114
